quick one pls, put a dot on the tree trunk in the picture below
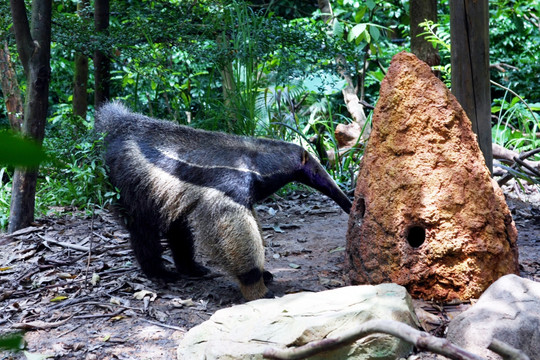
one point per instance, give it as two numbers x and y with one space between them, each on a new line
80 78
10 89
34 48
469 31
228 83
420 11
102 76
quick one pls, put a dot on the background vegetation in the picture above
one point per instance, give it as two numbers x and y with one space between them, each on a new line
255 69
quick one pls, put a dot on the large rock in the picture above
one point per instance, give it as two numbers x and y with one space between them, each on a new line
427 214
245 331
508 311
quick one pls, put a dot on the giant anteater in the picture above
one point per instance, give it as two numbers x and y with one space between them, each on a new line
199 187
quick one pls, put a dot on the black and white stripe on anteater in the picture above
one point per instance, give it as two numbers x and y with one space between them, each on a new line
199 187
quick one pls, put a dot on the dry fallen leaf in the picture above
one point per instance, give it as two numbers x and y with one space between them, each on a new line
95 279
139 295
179 303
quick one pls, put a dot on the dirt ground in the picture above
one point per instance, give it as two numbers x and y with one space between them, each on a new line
79 304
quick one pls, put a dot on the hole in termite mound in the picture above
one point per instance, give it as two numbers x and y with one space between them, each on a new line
416 235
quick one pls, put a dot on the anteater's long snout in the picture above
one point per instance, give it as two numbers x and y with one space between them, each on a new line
314 175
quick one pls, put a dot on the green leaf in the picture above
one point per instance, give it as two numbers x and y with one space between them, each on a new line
338 29
367 36
360 14
371 4
375 33
373 48
11 342
17 151
518 22
356 31
535 106
515 100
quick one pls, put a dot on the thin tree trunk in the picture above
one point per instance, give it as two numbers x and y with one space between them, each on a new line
469 32
34 48
80 78
101 60
227 80
80 91
420 11
10 89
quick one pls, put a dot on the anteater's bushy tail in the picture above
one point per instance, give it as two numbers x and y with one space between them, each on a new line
109 117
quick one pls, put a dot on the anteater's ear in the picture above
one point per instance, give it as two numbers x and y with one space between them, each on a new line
305 157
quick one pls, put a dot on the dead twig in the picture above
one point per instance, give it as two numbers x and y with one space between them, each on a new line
420 339
39 324
501 66
64 244
527 166
95 316
89 259
164 325
514 159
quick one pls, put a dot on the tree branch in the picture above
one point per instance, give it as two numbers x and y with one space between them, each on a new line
10 89
23 38
354 106
420 339
506 351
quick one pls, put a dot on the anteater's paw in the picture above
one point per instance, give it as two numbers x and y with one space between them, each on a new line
196 270
163 275
268 277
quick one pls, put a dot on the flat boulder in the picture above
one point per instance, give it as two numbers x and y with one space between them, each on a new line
509 311
245 331
427 214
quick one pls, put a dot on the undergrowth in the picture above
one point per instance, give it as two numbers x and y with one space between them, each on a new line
73 177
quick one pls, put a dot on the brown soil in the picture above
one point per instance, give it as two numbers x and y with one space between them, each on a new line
79 305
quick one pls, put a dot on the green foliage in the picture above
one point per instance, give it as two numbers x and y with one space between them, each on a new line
78 179
517 124
439 36
73 174
515 41
18 151
12 342
5 195
242 74
256 69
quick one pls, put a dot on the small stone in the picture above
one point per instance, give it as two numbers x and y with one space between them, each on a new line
427 214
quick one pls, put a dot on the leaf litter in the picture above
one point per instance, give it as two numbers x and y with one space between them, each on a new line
72 284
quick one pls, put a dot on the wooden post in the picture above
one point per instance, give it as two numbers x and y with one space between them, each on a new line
469 30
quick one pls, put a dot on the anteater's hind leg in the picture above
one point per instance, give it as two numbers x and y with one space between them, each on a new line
180 239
